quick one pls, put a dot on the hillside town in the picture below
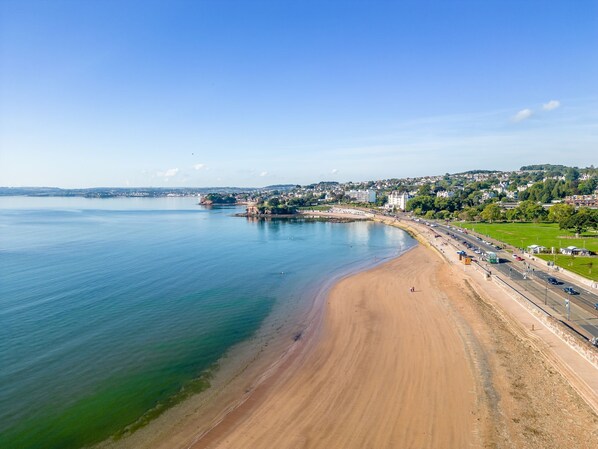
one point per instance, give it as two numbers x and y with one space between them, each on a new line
453 196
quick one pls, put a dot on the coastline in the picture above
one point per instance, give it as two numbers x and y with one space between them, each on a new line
245 368
366 371
492 384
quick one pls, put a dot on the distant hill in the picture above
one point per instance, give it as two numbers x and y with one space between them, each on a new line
475 172
283 187
109 192
545 167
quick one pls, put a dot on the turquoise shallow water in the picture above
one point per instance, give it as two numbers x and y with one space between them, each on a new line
113 308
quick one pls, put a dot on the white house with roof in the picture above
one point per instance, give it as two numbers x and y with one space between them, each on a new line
536 249
445 194
575 251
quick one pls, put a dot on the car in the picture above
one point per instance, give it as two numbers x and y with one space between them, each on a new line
553 281
515 256
519 259
596 306
570 291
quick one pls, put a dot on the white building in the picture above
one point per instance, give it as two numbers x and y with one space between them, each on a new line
362 196
575 251
488 195
536 249
445 194
398 200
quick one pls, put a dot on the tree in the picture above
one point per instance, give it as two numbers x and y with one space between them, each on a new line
572 174
514 215
531 211
468 214
424 189
381 200
424 203
560 212
587 187
580 221
491 212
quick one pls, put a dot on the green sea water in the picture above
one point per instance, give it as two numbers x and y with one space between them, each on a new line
111 311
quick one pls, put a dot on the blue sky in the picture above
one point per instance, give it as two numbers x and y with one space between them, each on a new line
251 93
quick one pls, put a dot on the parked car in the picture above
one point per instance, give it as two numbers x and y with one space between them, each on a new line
596 306
570 291
515 256
553 281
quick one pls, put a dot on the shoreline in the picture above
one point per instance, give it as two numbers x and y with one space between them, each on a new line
244 368
506 401
320 362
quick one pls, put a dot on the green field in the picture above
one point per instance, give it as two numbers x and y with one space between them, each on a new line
521 235
584 266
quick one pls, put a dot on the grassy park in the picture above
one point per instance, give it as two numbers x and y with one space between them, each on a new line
584 266
521 235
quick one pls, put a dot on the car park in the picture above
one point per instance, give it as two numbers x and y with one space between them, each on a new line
570 291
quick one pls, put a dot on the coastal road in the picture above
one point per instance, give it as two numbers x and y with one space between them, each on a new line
531 280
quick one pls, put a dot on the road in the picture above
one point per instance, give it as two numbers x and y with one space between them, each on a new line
529 278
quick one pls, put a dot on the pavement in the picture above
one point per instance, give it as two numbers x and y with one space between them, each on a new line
529 277
565 357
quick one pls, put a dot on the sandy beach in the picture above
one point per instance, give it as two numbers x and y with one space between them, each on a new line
389 370
383 367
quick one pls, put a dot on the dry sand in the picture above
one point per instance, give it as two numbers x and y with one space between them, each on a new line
390 370
439 368
443 367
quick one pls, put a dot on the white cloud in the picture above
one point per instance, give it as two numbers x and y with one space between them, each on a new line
264 173
199 166
551 105
522 115
168 173
334 171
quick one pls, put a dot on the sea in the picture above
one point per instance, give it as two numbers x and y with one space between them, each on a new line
114 310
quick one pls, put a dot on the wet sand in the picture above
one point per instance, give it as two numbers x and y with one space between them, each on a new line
390 369
383 367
